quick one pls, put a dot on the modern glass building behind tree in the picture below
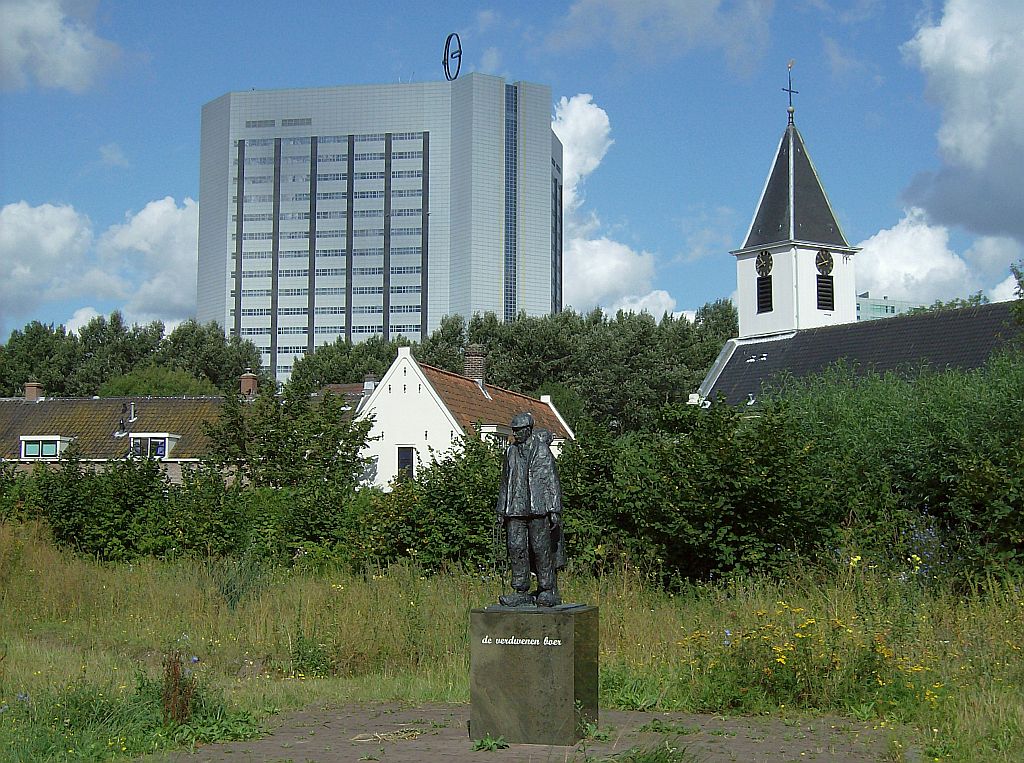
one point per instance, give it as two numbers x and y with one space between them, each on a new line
376 209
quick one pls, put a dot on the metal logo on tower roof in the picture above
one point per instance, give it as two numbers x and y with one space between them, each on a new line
452 53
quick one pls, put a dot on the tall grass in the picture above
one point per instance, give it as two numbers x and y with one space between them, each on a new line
939 663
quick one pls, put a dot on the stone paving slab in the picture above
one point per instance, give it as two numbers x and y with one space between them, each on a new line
397 733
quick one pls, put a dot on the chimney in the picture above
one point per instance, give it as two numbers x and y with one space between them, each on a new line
369 384
475 359
33 391
248 384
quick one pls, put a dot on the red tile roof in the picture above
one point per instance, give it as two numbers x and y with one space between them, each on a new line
469 405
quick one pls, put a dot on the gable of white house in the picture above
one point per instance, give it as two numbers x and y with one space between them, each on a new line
407 413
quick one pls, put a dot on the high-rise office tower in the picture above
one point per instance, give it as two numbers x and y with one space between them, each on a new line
376 209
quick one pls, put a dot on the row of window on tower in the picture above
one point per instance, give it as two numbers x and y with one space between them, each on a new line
825 288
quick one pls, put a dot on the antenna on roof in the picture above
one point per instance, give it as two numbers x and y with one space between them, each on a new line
790 90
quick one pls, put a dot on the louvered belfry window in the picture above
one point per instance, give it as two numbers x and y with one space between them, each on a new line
826 293
764 294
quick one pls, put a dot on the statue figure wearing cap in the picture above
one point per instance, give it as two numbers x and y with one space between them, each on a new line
530 507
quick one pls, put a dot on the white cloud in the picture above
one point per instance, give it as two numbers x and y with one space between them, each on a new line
1005 290
599 271
656 303
991 256
585 132
80 318
158 245
40 43
971 59
43 257
912 261
50 254
112 156
651 31
602 272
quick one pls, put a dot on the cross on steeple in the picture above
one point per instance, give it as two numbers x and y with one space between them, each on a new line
790 90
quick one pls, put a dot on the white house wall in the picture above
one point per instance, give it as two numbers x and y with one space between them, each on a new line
406 412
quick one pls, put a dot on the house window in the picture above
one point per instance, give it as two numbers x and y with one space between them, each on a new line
152 445
42 447
406 462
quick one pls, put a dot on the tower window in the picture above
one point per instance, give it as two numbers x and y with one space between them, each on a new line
826 293
764 294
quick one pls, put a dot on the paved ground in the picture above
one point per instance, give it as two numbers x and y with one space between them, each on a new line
437 734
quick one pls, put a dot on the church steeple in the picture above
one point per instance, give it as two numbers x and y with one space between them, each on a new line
795 269
793 205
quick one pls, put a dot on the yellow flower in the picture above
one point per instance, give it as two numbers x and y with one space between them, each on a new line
854 560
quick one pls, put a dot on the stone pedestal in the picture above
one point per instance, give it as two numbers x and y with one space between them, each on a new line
533 675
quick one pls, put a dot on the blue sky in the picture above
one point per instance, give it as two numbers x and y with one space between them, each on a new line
670 113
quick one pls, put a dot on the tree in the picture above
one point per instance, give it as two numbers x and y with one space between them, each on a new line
110 348
954 304
40 353
344 362
156 381
204 352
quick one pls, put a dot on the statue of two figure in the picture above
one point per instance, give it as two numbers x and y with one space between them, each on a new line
530 510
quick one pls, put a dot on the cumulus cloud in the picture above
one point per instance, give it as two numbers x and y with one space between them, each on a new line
44 257
41 43
971 60
158 246
602 272
81 317
585 131
51 254
657 303
650 31
599 271
1005 290
912 261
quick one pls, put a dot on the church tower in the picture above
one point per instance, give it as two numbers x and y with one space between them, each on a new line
795 269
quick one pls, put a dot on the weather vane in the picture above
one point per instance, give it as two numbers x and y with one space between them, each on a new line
452 52
790 90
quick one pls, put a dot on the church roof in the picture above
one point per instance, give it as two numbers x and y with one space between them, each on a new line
793 205
941 340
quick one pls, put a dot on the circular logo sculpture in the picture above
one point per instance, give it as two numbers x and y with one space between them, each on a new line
452 52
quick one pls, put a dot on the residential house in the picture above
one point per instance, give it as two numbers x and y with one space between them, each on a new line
421 412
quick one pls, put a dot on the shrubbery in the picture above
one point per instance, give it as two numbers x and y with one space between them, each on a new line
927 472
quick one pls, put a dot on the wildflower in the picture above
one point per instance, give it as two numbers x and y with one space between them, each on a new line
193 659
854 560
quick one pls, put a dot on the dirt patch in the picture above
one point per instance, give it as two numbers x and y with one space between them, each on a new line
427 733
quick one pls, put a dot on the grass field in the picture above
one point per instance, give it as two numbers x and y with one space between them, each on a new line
84 648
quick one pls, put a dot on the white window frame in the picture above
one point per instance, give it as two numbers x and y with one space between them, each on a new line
170 440
26 439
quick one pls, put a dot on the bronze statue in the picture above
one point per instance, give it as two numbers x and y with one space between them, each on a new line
530 508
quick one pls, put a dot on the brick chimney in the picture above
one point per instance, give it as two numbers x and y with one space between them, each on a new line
474 362
249 382
33 391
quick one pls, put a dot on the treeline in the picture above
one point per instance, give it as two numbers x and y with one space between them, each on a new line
109 358
617 370
923 476
614 369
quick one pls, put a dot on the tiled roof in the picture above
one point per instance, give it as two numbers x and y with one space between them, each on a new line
469 405
93 421
941 340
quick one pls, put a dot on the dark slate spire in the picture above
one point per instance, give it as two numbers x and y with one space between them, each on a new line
793 206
